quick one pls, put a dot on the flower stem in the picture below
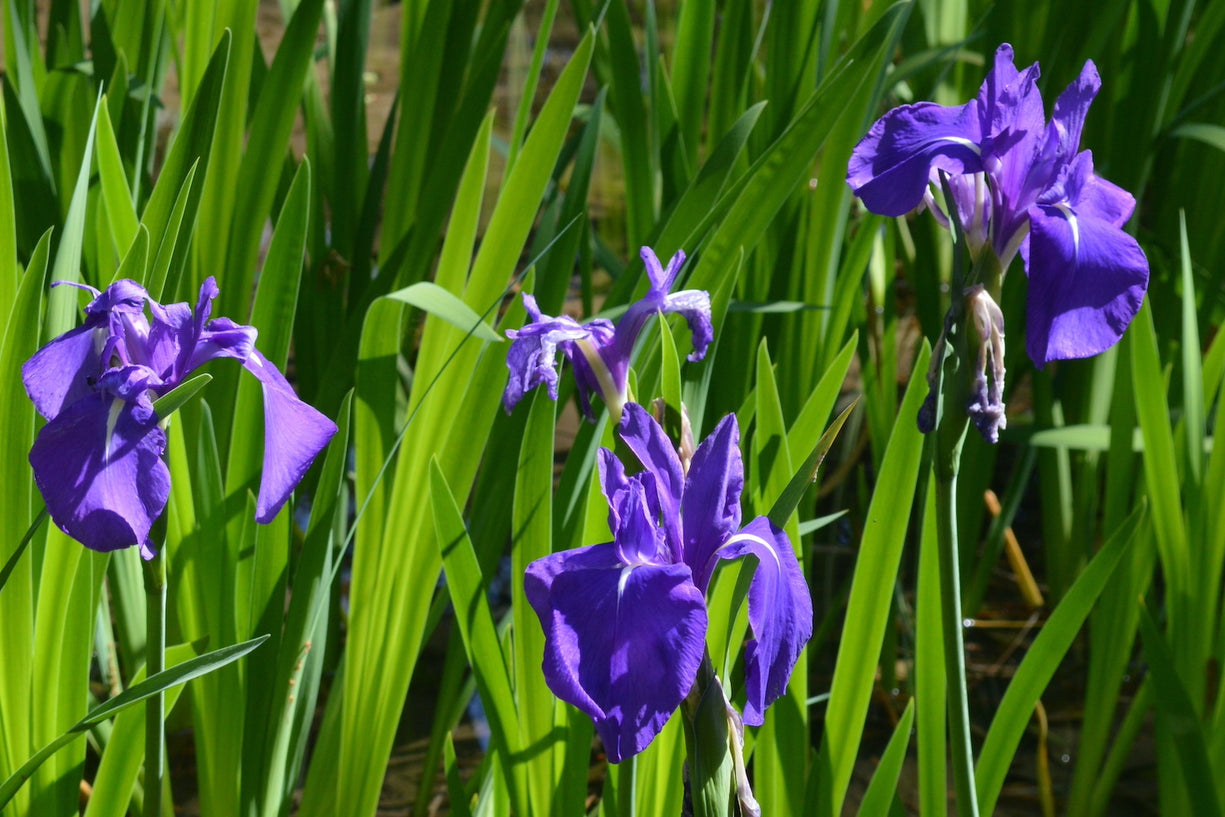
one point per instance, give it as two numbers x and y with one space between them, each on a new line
704 712
155 662
952 433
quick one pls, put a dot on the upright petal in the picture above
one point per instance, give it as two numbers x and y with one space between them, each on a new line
612 480
66 369
889 167
1062 137
661 279
654 450
635 517
99 467
622 643
1010 106
710 506
1087 279
694 305
780 614
294 434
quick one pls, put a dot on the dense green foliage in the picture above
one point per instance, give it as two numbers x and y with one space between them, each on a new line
381 260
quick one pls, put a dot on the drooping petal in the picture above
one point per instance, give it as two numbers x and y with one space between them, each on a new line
889 167
125 295
710 507
221 337
694 306
65 370
294 434
99 467
1087 279
780 614
532 358
622 643
654 450
1090 195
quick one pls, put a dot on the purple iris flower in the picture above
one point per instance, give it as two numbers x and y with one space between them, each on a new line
598 350
98 460
625 622
1019 184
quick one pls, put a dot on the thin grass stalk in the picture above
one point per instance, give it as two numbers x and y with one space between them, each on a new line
948 456
953 367
155 650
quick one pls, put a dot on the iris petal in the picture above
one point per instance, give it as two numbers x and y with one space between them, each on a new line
710 512
99 466
889 168
694 306
1087 279
294 434
63 371
780 614
654 450
532 358
623 644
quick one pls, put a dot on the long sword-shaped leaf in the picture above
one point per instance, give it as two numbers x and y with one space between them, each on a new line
480 634
869 604
1041 661
134 694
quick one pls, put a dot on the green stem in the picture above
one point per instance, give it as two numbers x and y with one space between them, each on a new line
952 433
704 712
155 662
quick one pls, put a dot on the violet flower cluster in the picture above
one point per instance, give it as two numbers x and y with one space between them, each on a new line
598 350
1020 184
625 621
98 460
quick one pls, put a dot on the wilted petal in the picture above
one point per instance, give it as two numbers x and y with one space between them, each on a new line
710 509
64 371
622 643
294 434
694 306
889 167
99 467
532 358
780 614
1087 279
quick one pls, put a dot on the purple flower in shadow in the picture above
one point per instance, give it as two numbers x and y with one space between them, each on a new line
625 622
1020 184
598 350
98 460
